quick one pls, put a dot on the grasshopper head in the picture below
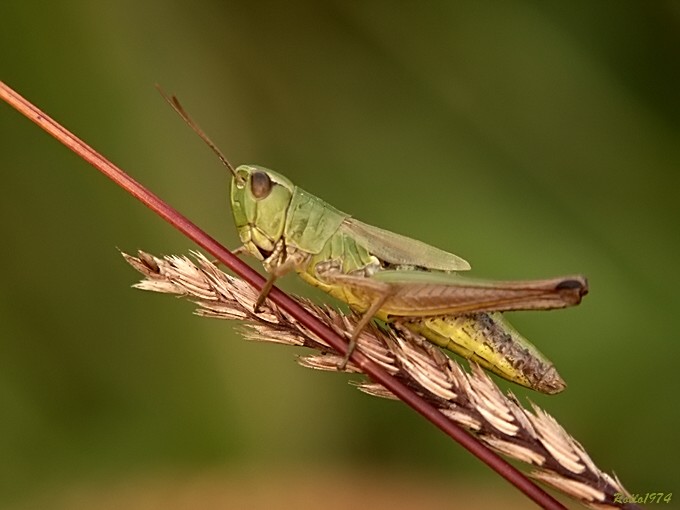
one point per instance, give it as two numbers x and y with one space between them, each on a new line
259 197
259 201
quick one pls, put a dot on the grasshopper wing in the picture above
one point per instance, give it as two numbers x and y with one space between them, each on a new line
437 293
398 249
423 293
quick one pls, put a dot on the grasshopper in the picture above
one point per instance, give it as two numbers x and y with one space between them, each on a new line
389 276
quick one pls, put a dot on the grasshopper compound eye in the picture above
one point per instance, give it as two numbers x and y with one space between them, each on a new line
260 185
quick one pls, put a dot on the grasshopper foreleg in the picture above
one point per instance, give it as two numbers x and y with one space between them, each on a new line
276 271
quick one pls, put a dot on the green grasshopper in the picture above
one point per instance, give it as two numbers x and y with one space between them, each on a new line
389 276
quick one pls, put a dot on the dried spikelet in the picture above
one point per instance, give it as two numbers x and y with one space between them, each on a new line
470 399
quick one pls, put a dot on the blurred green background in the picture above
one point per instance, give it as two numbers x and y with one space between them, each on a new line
532 138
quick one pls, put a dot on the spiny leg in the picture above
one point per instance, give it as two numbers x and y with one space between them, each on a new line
276 272
365 319
369 289
265 291
268 284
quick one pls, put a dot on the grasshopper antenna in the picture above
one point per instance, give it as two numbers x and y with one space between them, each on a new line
177 106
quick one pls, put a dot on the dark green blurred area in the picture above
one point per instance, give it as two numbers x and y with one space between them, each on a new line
532 138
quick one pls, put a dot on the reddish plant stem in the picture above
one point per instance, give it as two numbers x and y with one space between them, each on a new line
181 223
